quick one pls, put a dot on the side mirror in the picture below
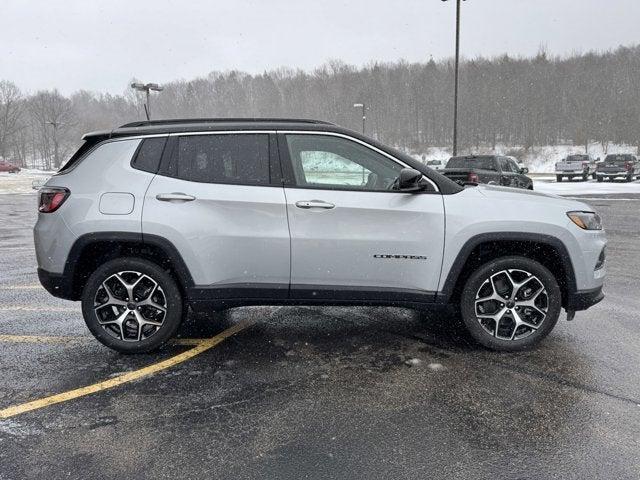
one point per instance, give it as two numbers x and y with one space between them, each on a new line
524 170
410 180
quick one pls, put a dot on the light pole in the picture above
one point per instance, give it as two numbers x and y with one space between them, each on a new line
364 115
147 87
455 81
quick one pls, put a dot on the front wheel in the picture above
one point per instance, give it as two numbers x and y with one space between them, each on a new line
599 179
558 178
510 303
132 305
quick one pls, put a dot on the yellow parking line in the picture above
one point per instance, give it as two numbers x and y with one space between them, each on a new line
24 308
40 338
61 339
202 346
21 287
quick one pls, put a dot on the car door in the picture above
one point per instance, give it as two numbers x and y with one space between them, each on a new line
216 200
506 175
352 235
519 179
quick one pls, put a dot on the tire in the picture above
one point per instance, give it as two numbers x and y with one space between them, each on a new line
585 177
599 179
594 176
156 289
629 178
558 178
511 336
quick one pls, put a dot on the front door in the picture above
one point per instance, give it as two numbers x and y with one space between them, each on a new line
352 234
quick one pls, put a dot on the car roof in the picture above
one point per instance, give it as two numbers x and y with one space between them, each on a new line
185 125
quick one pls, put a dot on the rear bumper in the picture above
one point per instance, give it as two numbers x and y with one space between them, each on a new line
56 284
583 299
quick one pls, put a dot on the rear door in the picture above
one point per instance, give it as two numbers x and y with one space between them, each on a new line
352 235
218 202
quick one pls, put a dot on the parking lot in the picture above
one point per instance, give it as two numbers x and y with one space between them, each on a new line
301 392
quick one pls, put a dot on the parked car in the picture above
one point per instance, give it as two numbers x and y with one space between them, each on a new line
8 167
576 166
618 166
436 164
152 217
490 169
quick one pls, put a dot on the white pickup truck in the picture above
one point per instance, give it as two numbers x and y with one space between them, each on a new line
582 166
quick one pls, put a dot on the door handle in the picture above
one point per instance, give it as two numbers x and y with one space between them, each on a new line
314 204
175 196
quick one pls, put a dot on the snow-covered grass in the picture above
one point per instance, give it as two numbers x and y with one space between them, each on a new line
536 159
586 188
22 181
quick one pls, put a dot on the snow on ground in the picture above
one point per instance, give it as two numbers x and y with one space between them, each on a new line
22 181
586 188
537 159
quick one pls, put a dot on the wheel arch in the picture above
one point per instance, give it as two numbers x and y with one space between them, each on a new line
93 249
480 249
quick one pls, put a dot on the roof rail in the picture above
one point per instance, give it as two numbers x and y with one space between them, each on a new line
170 121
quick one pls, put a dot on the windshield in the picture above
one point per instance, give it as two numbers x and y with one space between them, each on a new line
479 163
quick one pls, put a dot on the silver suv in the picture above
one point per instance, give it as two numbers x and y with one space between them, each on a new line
153 217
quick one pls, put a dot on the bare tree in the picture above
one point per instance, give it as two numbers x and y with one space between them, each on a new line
11 107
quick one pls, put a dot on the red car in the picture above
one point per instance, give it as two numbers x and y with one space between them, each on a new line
8 167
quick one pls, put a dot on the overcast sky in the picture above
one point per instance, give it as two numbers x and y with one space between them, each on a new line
100 45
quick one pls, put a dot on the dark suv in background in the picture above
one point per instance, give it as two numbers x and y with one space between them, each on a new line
490 169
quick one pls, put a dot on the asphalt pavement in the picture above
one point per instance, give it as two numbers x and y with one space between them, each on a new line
301 392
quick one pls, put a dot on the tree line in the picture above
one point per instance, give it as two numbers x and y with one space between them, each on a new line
523 102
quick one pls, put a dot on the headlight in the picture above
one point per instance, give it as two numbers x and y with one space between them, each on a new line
586 220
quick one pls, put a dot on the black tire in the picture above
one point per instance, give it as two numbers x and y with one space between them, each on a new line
558 178
585 177
168 293
599 179
594 176
629 178
477 281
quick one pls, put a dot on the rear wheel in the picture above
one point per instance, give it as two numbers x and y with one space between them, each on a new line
132 305
629 178
585 176
558 178
510 303
599 179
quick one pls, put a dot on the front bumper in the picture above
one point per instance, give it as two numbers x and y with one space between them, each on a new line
583 299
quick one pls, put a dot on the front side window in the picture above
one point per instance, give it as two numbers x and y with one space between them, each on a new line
338 163
222 158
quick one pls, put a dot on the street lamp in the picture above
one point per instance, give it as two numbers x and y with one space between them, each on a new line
364 116
455 81
56 148
147 87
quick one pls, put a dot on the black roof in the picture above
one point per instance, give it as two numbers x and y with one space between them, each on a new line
178 125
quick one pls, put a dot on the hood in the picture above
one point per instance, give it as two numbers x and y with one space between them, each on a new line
510 194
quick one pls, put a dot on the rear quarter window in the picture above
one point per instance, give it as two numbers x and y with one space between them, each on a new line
149 153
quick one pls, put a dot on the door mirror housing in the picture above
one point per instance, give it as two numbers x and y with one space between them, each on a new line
524 170
410 180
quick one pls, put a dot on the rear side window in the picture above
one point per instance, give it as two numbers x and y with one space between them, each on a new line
222 158
148 156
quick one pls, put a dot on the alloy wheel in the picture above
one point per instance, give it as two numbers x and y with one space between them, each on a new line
511 304
130 306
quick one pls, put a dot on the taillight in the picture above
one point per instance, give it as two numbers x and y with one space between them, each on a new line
472 177
628 166
51 198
